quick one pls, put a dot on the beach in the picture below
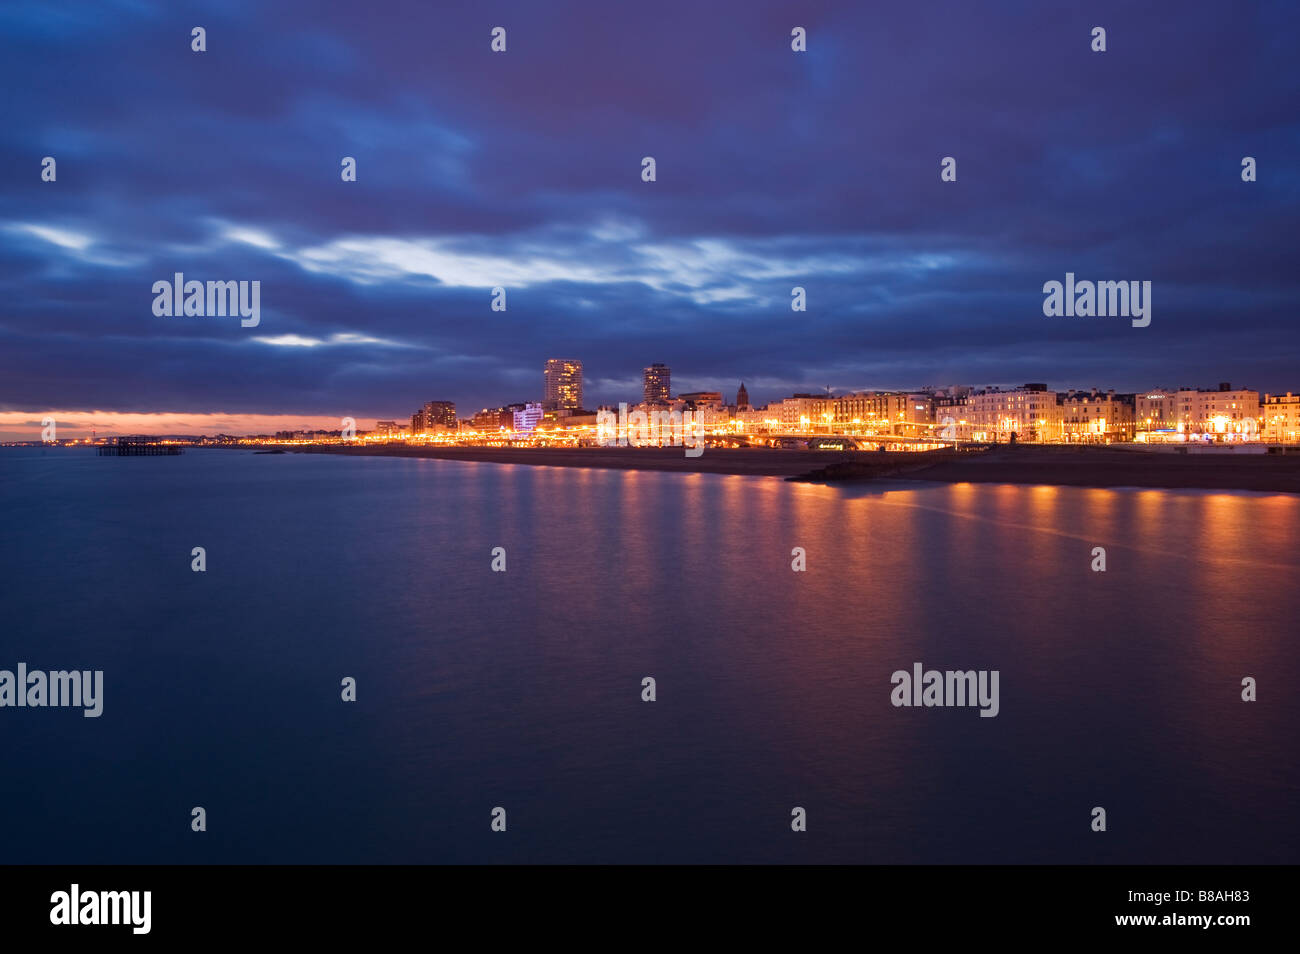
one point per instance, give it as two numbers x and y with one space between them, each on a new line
1068 466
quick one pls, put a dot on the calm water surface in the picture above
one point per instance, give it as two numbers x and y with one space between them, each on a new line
522 689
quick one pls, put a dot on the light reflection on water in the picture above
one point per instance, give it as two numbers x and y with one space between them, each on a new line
522 688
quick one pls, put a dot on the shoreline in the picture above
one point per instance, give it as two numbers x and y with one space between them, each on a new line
1066 466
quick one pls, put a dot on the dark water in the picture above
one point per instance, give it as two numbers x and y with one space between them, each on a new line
522 689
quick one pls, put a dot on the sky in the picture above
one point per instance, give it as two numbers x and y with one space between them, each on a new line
522 169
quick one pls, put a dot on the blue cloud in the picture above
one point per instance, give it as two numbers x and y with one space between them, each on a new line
523 170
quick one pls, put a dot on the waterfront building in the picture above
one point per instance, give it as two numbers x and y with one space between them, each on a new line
883 412
435 417
562 379
952 418
803 413
1192 415
439 416
1279 418
698 399
493 419
656 384
753 420
1030 413
1091 417
1154 416
714 417
1219 415
528 417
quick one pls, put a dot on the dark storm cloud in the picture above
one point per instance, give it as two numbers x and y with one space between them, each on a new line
774 169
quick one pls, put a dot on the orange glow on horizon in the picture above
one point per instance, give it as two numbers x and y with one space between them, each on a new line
26 425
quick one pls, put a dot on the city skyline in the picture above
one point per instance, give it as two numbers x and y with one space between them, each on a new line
798 171
1150 409
562 391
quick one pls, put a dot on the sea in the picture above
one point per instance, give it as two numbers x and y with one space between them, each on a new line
499 624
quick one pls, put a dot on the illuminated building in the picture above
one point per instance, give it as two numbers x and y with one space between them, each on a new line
753 419
434 417
1155 418
569 418
1221 415
698 399
802 413
1091 417
657 384
1279 418
883 412
1030 413
713 416
952 418
493 419
527 418
742 398
563 384
438 416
